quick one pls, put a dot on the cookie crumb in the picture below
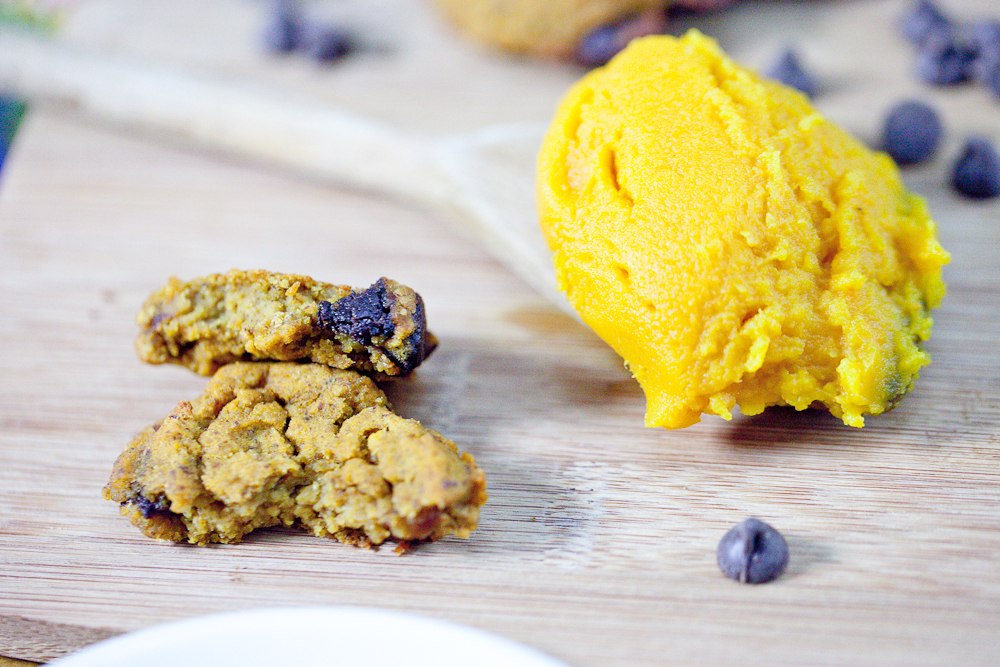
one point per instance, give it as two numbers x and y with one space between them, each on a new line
208 322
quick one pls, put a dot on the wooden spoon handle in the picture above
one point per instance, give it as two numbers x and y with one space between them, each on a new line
459 177
313 139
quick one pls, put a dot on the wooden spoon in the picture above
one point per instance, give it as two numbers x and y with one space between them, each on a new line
484 180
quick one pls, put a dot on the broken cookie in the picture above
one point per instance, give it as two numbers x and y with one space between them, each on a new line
257 315
288 444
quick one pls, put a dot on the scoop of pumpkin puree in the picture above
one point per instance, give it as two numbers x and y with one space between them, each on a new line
731 244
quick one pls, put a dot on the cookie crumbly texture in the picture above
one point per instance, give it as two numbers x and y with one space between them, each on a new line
734 246
288 444
257 315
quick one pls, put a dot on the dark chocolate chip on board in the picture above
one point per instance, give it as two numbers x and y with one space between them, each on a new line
330 44
788 69
985 37
947 58
604 42
986 66
598 46
284 30
752 552
922 20
976 173
912 132
991 79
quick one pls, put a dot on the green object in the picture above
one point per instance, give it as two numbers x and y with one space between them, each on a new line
11 112
25 14
28 15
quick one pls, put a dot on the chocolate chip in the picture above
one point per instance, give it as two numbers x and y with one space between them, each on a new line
923 20
330 44
149 507
287 30
946 58
986 66
368 317
787 69
752 552
362 316
284 30
598 46
977 171
991 79
912 132
603 43
985 37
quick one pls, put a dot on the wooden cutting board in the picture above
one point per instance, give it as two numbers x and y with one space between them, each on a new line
597 544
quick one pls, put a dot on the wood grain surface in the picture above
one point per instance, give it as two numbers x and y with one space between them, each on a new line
597 545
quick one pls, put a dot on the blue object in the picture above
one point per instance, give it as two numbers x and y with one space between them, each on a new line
924 20
789 71
284 30
946 59
599 46
986 66
330 44
991 79
11 112
752 552
977 172
912 132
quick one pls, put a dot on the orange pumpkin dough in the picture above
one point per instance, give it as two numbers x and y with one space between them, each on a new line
731 244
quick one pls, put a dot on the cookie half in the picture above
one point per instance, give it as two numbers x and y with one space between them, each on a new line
289 444
257 315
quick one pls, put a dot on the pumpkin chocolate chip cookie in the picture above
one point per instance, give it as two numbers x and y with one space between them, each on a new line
288 444
257 315
552 29
564 29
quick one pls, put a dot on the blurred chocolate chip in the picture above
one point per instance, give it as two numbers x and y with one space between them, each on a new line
912 132
603 43
788 70
284 30
991 79
977 171
922 20
752 552
946 58
329 44
986 37
598 46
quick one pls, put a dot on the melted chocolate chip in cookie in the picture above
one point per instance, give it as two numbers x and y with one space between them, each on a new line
372 317
363 315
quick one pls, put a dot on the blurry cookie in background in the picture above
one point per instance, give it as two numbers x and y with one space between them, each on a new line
585 31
